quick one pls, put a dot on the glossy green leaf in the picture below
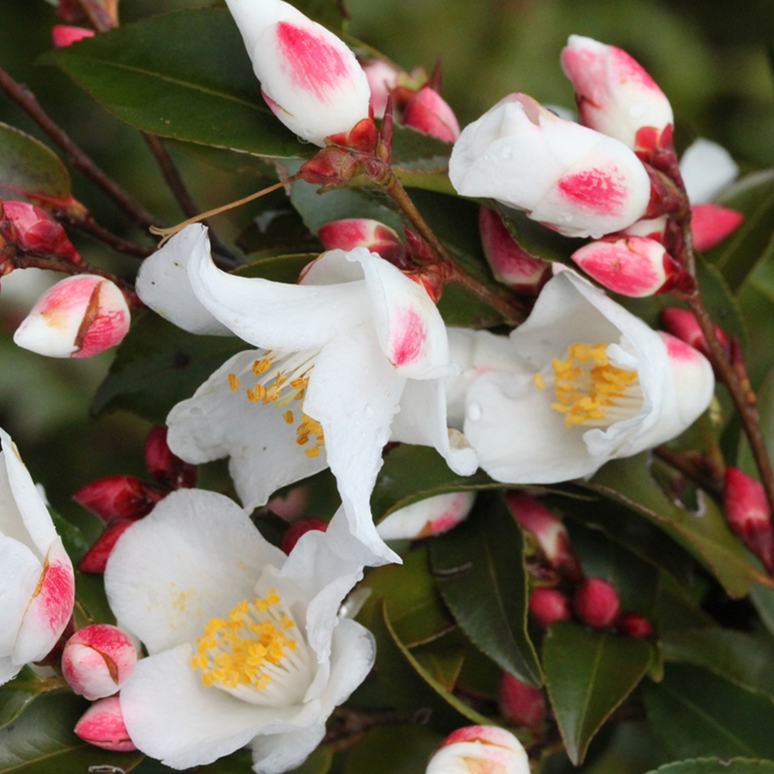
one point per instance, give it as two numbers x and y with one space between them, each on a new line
697 713
588 674
42 741
17 695
421 160
480 572
184 75
380 752
442 658
717 766
534 238
158 365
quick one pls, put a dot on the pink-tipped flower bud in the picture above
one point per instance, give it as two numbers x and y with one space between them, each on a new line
633 266
520 704
167 468
712 223
95 559
635 625
651 228
293 533
596 602
309 78
118 497
615 95
510 263
97 660
683 325
431 516
382 78
103 726
479 750
63 35
747 512
548 531
428 112
547 606
80 316
34 229
349 233
568 177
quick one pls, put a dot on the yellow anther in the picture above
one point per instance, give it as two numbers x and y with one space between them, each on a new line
540 382
233 382
312 451
288 417
262 365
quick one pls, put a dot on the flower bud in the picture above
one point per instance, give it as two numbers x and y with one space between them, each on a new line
712 223
633 266
747 511
428 112
479 750
521 704
167 468
614 94
706 168
103 726
596 602
382 78
63 35
683 325
95 559
78 317
118 497
635 625
97 660
348 233
309 78
293 533
548 605
35 229
510 264
431 516
568 177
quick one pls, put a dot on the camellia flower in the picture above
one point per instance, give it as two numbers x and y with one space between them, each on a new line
351 358
37 585
245 644
310 79
479 750
575 180
581 382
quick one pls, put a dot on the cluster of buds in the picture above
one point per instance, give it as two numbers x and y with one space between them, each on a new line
120 500
31 229
479 750
520 704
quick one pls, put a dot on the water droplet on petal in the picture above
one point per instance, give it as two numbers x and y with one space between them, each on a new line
474 412
506 151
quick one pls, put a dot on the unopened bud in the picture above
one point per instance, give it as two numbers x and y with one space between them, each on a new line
634 266
78 317
118 497
95 559
35 229
547 606
97 660
712 223
683 325
382 78
428 112
510 264
63 35
521 704
349 233
167 468
431 516
103 726
293 533
635 625
596 602
747 511
479 750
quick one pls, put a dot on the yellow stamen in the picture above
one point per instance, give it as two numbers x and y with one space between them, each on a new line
233 382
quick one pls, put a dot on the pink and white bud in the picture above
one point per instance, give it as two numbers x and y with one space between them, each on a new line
95 559
650 228
310 79
635 625
520 704
78 317
349 233
431 516
382 78
548 531
118 497
614 94
712 223
167 468
510 263
479 750
748 515
293 533
428 112
632 266
596 602
683 325
35 229
103 726
63 35
97 660
547 606
568 177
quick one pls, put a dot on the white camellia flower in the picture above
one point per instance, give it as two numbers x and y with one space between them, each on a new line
479 750
246 645
352 357
37 585
581 382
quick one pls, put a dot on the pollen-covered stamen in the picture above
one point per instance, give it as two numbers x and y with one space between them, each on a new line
256 653
589 389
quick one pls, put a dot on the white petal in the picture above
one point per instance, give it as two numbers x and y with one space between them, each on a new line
706 168
194 557
353 654
163 284
431 516
21 570
284 752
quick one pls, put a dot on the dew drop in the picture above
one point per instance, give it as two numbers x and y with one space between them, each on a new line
506 151
474 412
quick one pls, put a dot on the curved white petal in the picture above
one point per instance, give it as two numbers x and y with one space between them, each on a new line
353 654
194 557
706 168
284 752
431 516
20 574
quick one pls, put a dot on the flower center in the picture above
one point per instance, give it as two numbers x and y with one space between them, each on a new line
281 382
589 389
255 653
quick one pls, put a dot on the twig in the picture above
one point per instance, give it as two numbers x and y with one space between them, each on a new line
687 464
92 228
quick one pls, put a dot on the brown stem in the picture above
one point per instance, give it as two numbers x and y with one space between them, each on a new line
25 99
696 469
89 226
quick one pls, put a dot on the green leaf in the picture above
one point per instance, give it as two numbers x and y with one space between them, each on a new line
158 365
442 658
379 753
17 695
184 75
480 572
588 674
697 713
534 238
42 741
716 766
763 598
421 160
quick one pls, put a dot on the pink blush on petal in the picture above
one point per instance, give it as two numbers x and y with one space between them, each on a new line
678 350
407 338
631 274
593 189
